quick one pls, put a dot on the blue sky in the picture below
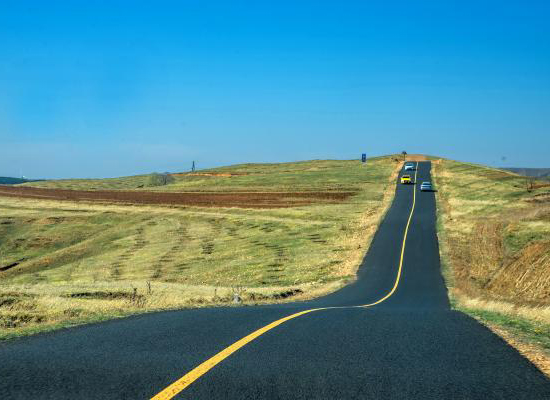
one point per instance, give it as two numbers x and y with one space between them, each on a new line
109 88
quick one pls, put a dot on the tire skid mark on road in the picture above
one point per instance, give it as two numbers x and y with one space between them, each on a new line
175 388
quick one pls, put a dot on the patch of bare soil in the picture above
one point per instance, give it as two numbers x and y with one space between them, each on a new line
416 157
200 199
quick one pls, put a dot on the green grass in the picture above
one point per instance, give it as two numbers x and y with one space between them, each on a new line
297 176
192 256
527 330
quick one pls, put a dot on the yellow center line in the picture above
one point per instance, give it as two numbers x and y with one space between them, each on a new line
207 365
402 247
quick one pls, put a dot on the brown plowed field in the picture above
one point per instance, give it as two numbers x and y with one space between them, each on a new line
202 199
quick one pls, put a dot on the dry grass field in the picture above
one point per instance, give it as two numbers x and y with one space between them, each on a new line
67 260
494 229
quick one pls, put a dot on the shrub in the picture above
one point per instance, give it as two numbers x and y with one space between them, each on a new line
156 179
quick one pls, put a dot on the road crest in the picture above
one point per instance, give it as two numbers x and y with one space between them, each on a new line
175 388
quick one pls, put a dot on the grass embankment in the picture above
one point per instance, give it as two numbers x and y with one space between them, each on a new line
82 261
494 229
298 176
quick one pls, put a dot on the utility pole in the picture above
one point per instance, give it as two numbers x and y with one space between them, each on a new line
193 167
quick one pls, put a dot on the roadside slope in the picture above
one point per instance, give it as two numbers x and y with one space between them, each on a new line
494 227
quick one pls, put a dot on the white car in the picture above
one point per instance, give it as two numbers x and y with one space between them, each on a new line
426 186
409 167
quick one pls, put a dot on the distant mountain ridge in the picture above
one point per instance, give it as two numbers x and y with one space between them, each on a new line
5 180
534 172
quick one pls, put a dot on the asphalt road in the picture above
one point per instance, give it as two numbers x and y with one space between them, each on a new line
410 346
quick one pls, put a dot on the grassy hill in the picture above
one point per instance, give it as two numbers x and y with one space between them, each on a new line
297 176
494 232
65 262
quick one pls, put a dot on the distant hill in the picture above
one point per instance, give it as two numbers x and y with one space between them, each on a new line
534 172
4 180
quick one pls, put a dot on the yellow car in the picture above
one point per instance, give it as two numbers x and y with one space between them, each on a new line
406 179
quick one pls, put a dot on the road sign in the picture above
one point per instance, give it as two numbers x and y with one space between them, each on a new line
363 157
